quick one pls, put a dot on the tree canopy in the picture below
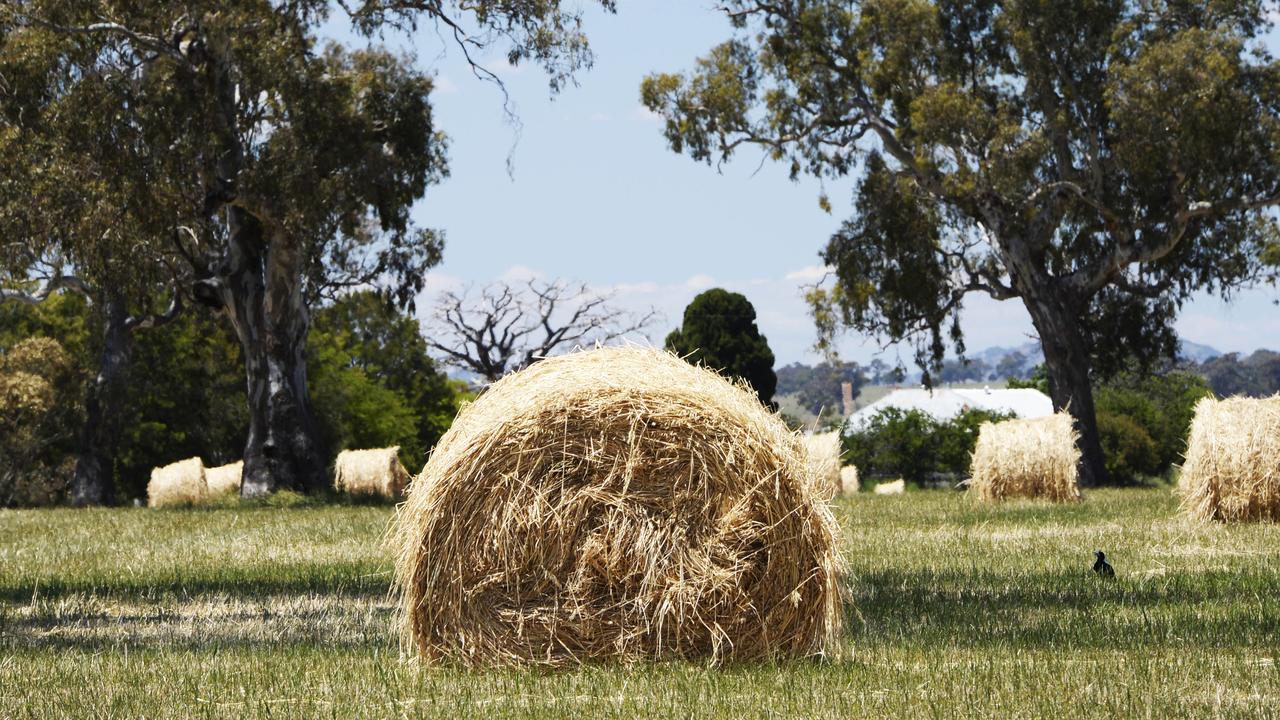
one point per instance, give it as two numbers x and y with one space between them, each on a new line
719 332
275 169
1100 160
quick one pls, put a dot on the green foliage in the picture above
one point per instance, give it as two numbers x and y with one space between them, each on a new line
719 332
1102 162
1131 454
1142 408
372 381
914 446
184 397
37 397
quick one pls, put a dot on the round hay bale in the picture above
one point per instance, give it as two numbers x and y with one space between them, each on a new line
616 504
897 487
178 484
376 472
224 479
1232 467
849 484
1029 458
824 463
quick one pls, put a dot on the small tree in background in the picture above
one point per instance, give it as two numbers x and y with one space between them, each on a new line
35 375
719 332
509 327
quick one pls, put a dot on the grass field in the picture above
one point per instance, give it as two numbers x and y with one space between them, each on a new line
956 611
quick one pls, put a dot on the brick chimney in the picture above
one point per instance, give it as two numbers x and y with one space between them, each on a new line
846 397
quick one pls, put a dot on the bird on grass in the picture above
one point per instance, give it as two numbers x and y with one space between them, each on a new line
1102 567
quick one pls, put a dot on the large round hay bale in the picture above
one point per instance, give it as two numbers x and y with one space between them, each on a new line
1029 458
224 479
616 504
178 484
824 462
1232 467
375 472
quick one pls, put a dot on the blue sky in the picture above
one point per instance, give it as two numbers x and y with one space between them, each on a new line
597 197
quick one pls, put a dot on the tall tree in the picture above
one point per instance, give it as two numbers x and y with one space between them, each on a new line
82 212
1098 160
299 164
719 331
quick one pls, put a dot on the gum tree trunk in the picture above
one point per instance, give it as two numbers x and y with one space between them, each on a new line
261 288
1067 359
93 483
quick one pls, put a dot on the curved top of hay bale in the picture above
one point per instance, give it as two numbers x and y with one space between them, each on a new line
616 503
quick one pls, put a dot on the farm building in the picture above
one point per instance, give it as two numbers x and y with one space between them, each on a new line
946 403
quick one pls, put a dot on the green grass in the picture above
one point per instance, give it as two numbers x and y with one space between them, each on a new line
956 610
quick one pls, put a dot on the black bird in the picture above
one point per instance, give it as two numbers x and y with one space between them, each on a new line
1102 567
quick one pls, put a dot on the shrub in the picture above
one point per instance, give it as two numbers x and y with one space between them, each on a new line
914 446
1129 451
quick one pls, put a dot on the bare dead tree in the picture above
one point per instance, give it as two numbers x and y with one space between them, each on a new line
511 326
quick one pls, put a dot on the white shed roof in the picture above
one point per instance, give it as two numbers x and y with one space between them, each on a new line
946 403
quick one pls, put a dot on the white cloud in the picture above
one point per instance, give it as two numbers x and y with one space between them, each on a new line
438 282
502 68
640 288
807 274
520 274
701 281
644 114
444 86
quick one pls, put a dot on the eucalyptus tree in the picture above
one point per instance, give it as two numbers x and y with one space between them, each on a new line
297 161
80 212
1098 160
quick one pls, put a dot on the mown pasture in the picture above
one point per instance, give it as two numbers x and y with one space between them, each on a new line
955 610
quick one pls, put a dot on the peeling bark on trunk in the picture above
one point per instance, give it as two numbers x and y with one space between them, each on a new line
1067 359
93 483
261 288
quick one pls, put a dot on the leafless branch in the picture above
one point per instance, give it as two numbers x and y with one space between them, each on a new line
510 327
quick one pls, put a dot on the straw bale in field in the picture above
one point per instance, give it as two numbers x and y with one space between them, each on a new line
616 504
849 480
824 462
1232 467
370 472
1030 458
225 479
897 487
180 483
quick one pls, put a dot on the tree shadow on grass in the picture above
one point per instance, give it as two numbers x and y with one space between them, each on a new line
341 579
1060 610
